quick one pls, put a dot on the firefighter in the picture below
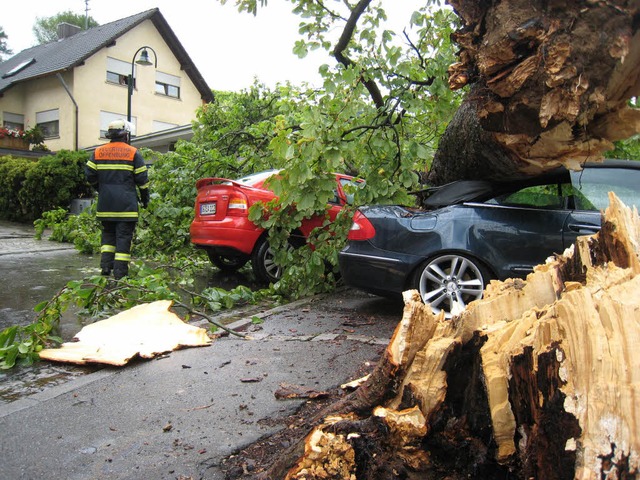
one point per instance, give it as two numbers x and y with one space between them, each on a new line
115 170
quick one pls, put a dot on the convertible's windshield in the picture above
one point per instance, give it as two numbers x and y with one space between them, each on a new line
596 183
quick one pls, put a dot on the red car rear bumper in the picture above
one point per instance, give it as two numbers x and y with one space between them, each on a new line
229 233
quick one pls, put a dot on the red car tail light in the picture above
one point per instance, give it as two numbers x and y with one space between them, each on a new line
238 204
362 228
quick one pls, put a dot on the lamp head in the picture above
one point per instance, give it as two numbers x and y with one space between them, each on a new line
144 58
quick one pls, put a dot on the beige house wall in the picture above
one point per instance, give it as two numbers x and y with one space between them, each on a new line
93 94
13 102
40 95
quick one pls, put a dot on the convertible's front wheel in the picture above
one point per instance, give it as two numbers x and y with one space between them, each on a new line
450 283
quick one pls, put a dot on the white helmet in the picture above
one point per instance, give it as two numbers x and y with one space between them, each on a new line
118 128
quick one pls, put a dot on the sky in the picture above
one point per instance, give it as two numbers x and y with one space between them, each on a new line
229 48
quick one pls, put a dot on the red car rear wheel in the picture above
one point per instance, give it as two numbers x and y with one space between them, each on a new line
227 263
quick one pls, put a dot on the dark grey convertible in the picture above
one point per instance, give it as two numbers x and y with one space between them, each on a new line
469 232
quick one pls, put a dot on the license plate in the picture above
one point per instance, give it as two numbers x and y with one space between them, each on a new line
207 209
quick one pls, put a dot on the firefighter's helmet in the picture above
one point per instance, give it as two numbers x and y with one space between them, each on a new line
118 129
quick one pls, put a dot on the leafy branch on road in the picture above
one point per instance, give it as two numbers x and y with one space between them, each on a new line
98 297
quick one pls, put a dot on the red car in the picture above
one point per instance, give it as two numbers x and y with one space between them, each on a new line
221 225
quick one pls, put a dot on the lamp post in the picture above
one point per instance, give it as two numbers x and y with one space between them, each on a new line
143 60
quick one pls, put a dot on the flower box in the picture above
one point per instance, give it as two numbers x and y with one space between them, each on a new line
14 143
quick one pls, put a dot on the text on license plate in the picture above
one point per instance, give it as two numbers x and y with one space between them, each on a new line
207 209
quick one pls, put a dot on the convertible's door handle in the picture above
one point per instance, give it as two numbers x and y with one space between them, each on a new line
582 227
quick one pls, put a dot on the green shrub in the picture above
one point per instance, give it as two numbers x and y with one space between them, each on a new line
13 172
30 187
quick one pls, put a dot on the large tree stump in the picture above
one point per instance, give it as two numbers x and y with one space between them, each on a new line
539 379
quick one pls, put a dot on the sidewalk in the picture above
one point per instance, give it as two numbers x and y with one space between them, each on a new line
178 416
19 238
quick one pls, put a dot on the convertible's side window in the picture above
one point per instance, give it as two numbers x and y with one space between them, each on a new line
537 196
578 199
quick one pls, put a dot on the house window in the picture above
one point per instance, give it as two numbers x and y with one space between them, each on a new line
49 122
168 85
13 121
107 117
18 68
118 72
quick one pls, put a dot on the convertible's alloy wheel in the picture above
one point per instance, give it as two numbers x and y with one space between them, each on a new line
450 282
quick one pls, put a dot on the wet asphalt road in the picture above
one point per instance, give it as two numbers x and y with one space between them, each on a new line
33 271
61 421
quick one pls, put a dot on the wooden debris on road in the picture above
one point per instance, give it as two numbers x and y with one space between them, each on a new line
146 330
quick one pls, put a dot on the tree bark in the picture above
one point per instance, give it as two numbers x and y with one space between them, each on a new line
550 82
539 379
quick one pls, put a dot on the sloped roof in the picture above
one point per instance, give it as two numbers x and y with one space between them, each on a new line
65 54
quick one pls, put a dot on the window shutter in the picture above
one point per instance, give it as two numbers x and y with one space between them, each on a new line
118 66
167 79
48 116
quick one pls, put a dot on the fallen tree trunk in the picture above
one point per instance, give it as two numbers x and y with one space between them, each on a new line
539 379
550 85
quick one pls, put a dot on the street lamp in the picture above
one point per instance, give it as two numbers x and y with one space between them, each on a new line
143 60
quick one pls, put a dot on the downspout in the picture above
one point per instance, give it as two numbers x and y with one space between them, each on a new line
74 102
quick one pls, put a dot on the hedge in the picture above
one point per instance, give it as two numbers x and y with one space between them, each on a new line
30 187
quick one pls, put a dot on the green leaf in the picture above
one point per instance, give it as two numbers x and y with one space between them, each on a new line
39 307
25 347
10 358
300 49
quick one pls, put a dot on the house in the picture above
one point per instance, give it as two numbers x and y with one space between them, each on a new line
75 87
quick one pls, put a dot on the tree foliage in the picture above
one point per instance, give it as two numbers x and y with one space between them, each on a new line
378 116
4 48
45 29
382 107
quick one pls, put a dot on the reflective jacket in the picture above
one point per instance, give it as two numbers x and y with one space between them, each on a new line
115 169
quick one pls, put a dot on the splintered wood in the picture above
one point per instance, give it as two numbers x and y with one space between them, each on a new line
557 377
546 60
146 330
550 84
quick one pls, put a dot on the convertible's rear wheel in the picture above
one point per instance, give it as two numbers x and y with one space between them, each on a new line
227 263
450 283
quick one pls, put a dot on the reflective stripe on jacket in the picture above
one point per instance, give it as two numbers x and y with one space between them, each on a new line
115 169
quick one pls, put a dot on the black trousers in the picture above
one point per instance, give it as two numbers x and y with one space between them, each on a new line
115 251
